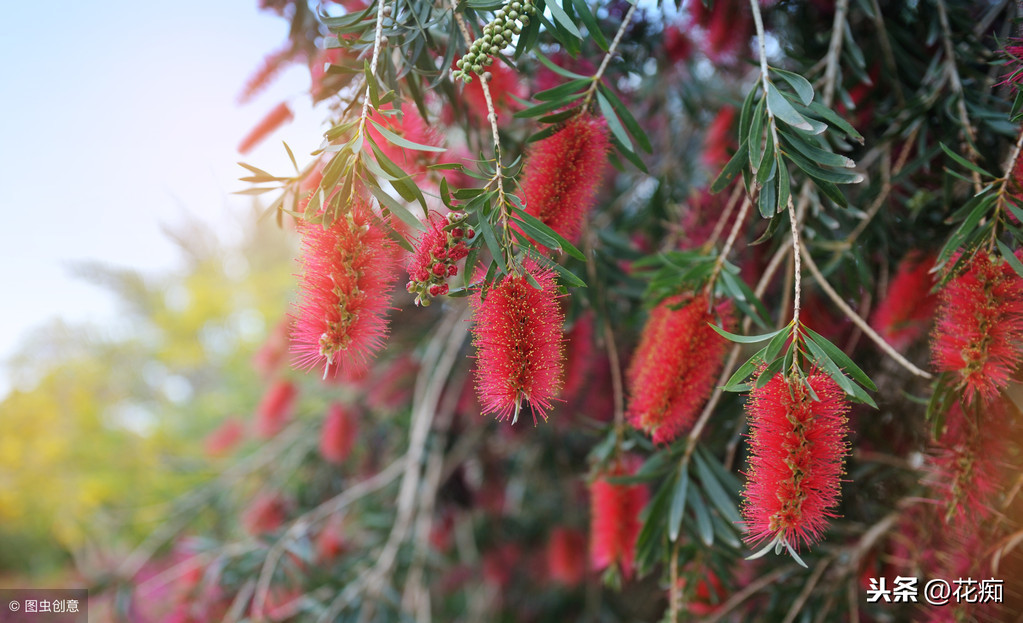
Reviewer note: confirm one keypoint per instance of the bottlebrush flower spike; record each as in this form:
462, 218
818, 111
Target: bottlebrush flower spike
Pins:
614, 519
797, 446
338, 434
345, 289
518, 339
676, 366
979, 331
265, 514
276, 408
272, 65
908, 306
563, 173
277, 117
409, 125
719, 139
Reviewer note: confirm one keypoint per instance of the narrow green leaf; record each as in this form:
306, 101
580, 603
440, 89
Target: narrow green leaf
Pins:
395, 208
492, 245
559, 242
744, 371
799, 84
814, 153
704, 527
562, 18
841, 359
964, 162
783, 110
717, 494
588, 19
815, 170
735, 164
678, 504
612, 121
745, 339
833, 118
561, 71
1010, 257
559, 92
767, 202
630, 122
404, 142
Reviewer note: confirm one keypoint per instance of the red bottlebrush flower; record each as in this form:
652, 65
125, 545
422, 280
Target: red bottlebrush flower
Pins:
345, 289
322, 84
907, 307
615, 523
410, 126
979, 331
272, 65
499, 564
563, 173
719, 139
277, 117
580, 356
338, 434
965, 465
675, 367
518, 339
566, 556
797, 446
727, 26
437, 254
225, 438
265, 514
708, 594
276, 408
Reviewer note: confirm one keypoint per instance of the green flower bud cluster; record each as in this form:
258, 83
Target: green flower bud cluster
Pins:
508, 22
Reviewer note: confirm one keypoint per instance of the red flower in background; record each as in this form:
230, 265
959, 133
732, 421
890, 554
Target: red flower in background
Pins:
345, 289
340, 429
675, 366
566, 556
277, 117
276, 408
797, 446
265, 514
518, 337
407, 124
580, 356
563, 173
719, 139
614, 518
504, 83
226, 437
907, 308
979, 331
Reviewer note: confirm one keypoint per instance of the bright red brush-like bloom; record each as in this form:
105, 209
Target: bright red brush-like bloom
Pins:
676, 366
979, 331
615, 523
504, 83
563, 173
518, 339
272, 65
338, 434
277, 117
908, 306
566, 556
276, 408
345, 289
797, 446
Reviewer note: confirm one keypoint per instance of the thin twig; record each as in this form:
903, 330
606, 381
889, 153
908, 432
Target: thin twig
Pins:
729, 242
804, 594
834, 51
748, 591
607, 57
957, 89
725, 215
860, 322
378, 39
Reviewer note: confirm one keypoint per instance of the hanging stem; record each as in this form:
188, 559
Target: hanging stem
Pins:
378, 40
607, 57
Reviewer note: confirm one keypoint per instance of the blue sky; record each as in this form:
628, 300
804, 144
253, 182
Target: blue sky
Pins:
117, 118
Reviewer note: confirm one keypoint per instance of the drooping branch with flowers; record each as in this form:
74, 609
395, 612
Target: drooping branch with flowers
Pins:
628, 196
